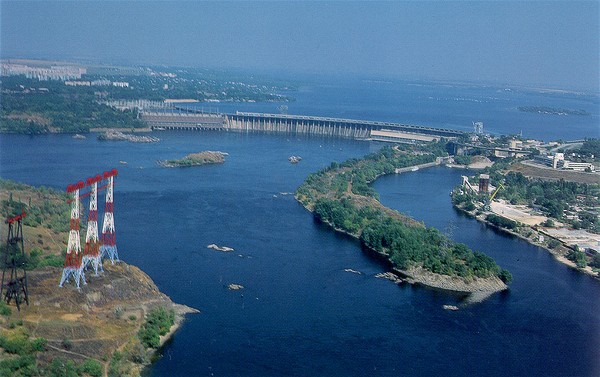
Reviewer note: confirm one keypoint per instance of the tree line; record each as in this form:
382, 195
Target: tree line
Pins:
340, 195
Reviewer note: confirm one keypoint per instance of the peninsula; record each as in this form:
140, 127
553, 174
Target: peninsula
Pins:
196, 159
341, 197
112, 326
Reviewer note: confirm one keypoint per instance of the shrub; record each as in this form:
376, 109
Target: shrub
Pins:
91, 367
4, 309
66, 344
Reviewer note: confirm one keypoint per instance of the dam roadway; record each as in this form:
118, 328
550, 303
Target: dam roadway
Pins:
296, 125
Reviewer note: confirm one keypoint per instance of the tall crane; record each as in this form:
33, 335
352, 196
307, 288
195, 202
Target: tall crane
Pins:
489, 200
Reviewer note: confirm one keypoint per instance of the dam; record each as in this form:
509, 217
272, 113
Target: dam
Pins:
295, 125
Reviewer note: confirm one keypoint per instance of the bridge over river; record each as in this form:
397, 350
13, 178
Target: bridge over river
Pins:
295, 125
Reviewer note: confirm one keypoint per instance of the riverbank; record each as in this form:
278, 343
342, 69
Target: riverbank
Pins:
97, 324
417, 275
535, 235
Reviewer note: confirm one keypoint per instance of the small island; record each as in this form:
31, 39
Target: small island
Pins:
551, 110
113, 135
196, 159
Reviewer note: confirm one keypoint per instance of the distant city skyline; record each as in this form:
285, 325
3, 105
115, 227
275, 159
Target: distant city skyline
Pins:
533, 43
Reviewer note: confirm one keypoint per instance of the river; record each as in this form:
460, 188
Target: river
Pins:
300, 313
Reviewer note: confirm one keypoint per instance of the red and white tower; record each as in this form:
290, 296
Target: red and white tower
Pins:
91, 251
109, 239
73, 266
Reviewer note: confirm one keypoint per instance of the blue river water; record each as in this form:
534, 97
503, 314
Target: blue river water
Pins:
450, 105
300, 313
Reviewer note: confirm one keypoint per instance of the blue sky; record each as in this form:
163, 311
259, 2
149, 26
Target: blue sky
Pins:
554, 44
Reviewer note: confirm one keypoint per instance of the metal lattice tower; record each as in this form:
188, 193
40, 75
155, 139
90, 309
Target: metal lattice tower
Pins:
73, 261
14, 260
109, 239
91, 251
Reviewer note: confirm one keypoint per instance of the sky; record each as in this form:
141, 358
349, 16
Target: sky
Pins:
533, 43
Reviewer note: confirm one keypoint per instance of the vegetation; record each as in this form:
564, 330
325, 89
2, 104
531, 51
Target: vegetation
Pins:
158, 322
32, 107
59, 108
555, 198
590, 147
501, 221
462, 160
42, 205
578, 257
18, 357
196, 159
341, 196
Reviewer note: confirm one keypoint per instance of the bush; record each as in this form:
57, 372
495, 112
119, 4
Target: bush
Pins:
501, 221
66, 344
158, 322
596, 261
4, 309
578, 257
91, 367
505, 276
552, 243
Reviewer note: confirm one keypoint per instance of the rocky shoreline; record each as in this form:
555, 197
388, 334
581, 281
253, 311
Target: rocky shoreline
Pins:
120, 136
420, 276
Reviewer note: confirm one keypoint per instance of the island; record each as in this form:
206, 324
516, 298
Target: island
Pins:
340, 196
196, 159
114, 135
111, 326
551, 110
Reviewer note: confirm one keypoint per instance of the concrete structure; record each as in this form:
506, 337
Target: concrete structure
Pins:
557, 161
484, 183
295, 124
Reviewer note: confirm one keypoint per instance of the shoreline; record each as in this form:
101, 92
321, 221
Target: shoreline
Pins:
180, 313
420, 276
558, 256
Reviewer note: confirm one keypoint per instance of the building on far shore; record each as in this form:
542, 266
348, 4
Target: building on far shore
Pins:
557, 161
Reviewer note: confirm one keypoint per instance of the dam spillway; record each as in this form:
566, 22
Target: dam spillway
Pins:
295, 125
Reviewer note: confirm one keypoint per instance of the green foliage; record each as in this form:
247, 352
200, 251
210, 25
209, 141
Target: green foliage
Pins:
501, 221
462, 160
552, 197
51, 209
66, 344
118, 365
61, 368
553, 243
505, 276
91, 367
158, 322
19, 366
578, 257
591, 147
23, 362
405, 242
77, 109
4, 309
595, 261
